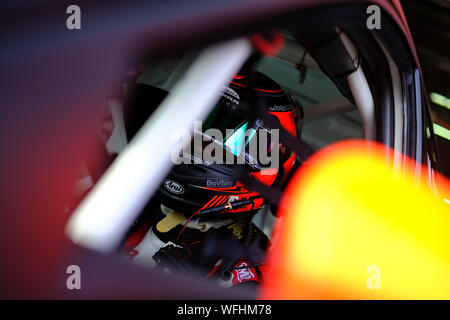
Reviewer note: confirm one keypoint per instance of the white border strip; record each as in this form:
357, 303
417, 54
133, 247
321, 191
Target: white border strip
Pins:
398, 108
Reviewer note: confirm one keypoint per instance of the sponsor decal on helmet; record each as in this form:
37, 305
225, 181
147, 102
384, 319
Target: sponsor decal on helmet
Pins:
173, 186
281, 108
219, 183
231, 96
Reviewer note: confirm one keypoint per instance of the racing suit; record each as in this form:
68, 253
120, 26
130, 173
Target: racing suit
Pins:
228, 252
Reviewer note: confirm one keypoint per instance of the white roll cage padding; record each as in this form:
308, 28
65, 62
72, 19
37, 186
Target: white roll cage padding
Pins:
361, 91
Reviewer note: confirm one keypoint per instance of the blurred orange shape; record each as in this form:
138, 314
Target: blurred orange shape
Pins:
353, 228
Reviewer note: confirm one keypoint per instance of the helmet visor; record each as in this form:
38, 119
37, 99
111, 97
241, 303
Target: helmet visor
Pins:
248, 143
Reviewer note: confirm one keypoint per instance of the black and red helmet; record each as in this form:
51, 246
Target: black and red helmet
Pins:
201, 186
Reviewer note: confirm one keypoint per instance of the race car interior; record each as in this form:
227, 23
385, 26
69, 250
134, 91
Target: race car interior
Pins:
343, 82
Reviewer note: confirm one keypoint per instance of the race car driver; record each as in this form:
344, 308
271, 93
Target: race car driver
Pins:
200, 221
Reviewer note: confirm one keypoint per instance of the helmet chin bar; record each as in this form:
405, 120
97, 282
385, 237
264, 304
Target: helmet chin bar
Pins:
228, 206
216, 216
102, 218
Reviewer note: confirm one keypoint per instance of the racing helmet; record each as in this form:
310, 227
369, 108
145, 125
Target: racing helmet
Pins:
212, 188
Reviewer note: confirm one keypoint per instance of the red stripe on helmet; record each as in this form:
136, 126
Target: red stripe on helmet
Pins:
287, 121
208, 203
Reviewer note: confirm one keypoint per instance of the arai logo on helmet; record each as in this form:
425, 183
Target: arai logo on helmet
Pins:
173, 186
